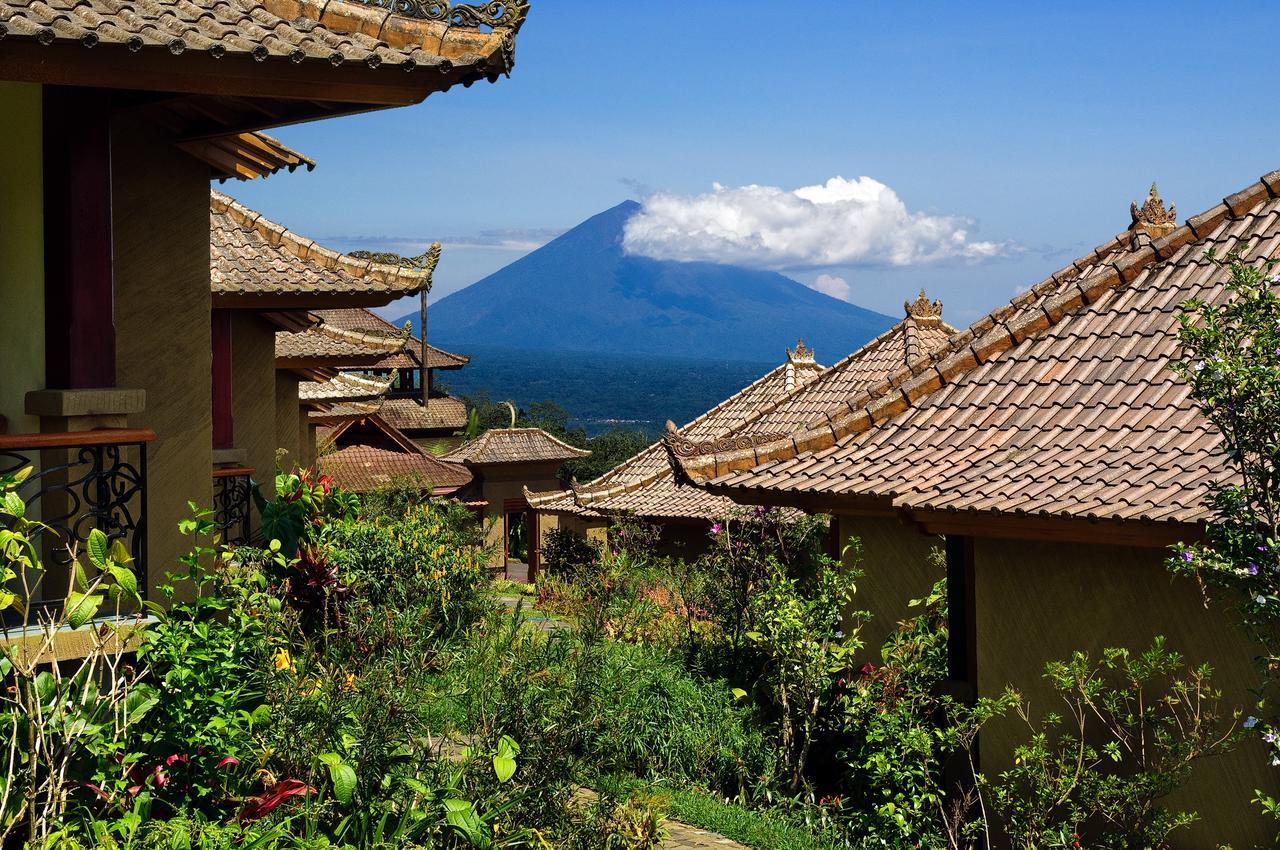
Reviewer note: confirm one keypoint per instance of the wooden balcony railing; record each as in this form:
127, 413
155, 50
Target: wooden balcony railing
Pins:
232, 503
81, 481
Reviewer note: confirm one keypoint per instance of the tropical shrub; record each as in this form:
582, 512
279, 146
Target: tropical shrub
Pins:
1232, 365
1135, 725
564, 552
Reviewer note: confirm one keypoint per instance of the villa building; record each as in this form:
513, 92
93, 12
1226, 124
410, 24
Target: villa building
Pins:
120, 116
1053, 454
435, 424
507, 463
644, 485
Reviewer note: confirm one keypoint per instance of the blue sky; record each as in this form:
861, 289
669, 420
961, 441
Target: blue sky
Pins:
1033, 125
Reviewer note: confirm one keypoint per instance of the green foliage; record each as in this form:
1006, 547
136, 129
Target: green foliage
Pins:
564, 552
1134, 727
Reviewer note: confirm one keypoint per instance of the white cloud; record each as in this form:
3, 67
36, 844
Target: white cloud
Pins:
840, 223
836, 287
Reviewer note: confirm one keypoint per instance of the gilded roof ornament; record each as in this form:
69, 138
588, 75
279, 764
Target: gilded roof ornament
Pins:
498, 14
1152, 216
801, 353
424, 264
923, 308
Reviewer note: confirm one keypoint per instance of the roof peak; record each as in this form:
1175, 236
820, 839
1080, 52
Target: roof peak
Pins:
1152, 218
801, 353
923, 309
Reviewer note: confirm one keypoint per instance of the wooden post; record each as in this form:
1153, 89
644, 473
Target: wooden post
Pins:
223, 411
80, 334
424, 372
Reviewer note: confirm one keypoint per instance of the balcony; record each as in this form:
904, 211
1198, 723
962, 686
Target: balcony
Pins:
81, 481
232, 502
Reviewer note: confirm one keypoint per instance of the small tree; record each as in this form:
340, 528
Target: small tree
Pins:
1232, 364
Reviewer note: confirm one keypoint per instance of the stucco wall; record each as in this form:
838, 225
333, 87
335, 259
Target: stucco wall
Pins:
21, 255
161, 246
896, 569
253, 395
288, 414
1038, 602
501, 483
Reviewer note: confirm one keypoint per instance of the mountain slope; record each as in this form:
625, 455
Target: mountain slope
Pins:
580, 292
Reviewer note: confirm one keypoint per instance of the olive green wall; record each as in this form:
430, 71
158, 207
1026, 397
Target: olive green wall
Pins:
508, 481
1038, 602
253, 395
161, 245
288, 416
896, 569
21, 254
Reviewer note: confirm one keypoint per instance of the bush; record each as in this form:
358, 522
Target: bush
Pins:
565, 553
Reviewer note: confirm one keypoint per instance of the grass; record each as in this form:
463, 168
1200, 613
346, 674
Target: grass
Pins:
760, 830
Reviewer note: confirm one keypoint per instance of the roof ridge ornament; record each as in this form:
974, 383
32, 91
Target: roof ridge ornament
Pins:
801, 353
498, 14
1152, 216
923, 308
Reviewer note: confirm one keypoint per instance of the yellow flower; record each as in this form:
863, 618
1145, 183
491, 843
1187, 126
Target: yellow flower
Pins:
349, 683
283, 661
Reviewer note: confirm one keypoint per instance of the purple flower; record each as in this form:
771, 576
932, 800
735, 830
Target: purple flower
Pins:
715, 528
1262, 549
1253, 568
1270, 737
1250, 722
1188, 556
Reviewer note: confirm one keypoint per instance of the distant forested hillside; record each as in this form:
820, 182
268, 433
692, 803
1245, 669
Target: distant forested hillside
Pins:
603, 390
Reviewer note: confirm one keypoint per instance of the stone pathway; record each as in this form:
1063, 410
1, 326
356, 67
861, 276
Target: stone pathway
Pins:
533, 618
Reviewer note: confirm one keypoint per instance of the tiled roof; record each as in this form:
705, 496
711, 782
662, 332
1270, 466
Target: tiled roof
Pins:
336, 346
408, 415
361, 469
251, 256
644, 485
344, 386
1061, 404
514, 445
299, 31
358, 318
341, 412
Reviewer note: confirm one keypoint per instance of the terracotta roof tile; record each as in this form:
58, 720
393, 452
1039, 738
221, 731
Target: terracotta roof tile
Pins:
408, 415
514, 445
249, 255
361, 469
300, 31
360, 319
1080, 418
335, 346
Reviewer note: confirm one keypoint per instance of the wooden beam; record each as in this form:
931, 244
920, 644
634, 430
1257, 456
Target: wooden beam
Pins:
304, 300
1153, 535
154, 68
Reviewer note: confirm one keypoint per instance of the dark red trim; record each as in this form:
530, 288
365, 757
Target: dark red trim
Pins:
224, 433
80, 333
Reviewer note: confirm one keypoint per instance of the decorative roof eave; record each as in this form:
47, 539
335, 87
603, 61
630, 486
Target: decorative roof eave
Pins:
383, 282
246, 156
344, 387
461, 43
701, 463
468, 452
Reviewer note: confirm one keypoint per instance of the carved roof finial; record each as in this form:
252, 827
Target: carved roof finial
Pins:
923, 308
1152, 216
801, 354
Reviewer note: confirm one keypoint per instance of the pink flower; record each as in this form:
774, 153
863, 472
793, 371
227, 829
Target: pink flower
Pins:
715, 528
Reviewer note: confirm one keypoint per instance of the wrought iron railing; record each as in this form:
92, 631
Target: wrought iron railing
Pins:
232, 503
82, 481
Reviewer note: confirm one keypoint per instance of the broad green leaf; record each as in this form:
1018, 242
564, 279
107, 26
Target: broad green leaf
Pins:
81, 608
119, 553
461, 815
98, 548
22, 474
14, 505
504, 766
739, 694
125, 579
342, 775
45, 686
7, 599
